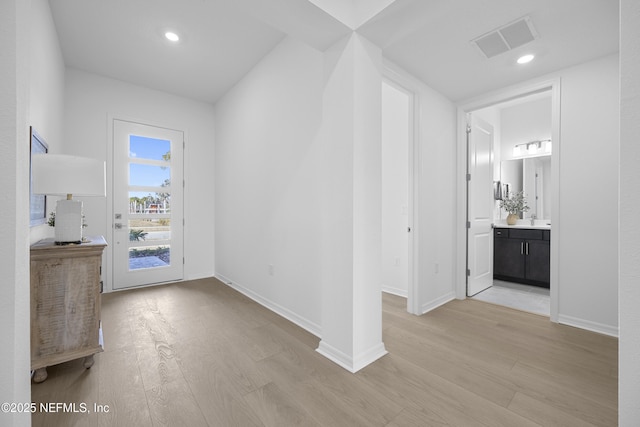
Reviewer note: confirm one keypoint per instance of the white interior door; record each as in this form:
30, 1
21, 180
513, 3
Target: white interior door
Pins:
147, 204
480, 206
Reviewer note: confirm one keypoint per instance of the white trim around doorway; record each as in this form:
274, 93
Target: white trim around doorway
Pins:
493, 98
399, 79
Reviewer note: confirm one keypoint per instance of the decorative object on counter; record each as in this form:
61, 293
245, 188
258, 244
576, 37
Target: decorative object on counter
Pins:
59, 174
514, 204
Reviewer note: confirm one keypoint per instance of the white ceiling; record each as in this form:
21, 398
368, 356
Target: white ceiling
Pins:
224, 39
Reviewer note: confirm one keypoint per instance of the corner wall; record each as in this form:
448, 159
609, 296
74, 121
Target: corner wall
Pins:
270, 190
268, 183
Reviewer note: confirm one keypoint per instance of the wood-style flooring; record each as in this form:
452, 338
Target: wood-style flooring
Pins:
200, 354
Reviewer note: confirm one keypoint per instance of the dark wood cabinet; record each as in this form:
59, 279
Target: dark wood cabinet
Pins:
522, 255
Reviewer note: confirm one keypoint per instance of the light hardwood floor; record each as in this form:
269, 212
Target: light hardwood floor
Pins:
200, 354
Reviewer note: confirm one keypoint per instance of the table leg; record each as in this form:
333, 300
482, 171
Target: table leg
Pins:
88, 361
40, 375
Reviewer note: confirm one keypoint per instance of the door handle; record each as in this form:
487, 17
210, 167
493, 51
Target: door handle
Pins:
527, 249
521, 248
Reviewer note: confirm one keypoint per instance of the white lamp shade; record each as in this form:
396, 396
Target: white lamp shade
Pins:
61, 174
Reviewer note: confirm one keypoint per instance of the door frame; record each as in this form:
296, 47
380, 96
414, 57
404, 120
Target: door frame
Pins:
395, 77
483, 101
107, 268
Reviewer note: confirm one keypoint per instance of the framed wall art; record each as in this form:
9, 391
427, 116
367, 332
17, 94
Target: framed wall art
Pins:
38, 202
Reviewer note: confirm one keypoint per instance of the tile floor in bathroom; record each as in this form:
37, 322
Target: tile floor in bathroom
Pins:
533, 299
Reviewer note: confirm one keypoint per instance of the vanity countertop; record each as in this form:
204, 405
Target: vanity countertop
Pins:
528, 225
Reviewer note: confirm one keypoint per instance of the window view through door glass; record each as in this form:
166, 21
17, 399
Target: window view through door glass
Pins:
149, 220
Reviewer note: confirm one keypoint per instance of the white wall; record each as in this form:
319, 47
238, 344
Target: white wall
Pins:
268, 183
629, 232
31, 86
91, 99
395, 190
529, 121
587, 227
46, 90
437, 204
14, 233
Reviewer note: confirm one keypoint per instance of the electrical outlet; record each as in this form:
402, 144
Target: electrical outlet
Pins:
271, 269
396, 262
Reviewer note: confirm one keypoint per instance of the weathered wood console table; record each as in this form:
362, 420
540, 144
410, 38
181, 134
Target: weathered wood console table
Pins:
65, 303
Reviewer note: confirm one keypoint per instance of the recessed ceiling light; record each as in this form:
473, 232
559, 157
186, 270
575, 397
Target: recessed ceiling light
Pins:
171, 36
525, 59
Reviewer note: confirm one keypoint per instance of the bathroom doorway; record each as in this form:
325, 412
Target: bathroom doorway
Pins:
525, 127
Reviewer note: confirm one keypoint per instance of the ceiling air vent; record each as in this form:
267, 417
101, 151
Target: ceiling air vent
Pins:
505, 38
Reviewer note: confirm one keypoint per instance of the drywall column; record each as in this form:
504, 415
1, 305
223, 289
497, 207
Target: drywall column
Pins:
629, 226
351, 246
14, 233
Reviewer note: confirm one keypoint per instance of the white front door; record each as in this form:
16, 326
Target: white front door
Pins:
480, 206
147, 204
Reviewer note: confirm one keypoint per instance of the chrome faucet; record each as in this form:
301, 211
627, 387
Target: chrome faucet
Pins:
533, 219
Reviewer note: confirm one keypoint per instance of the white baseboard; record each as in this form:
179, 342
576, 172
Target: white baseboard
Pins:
199, 276
589, 325
395, 291
428, 306
355, 363
309, 326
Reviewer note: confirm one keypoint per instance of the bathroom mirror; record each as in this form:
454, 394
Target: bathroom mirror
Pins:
533, 176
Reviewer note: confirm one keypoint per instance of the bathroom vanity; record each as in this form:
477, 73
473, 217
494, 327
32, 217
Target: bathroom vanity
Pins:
522, 254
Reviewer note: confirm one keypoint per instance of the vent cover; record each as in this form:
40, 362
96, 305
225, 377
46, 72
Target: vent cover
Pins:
505, 38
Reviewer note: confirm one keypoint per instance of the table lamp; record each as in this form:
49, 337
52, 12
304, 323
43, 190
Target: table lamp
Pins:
61, 174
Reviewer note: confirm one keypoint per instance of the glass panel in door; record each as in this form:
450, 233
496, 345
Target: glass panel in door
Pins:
147, 231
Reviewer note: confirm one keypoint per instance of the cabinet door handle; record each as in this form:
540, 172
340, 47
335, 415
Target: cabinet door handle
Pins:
527, 249
521, 248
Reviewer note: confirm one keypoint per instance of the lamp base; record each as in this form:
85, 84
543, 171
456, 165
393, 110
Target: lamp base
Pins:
68, 229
